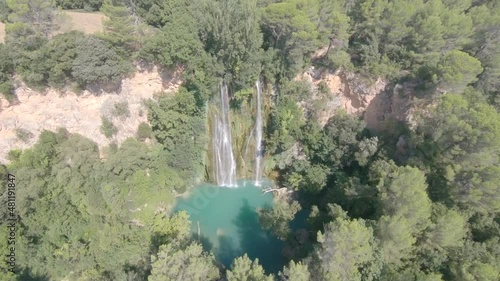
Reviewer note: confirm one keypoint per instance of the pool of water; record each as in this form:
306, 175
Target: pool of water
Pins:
229, 224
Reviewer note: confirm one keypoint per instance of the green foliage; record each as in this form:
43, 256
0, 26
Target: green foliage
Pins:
65, 57
403, 34
131, 155
24, 135
476, 261
230, 32
456, 70
14, 154
278, 218
290, 26
485, 46
38, 15
88, 5
178, 125
49, 63
60, 53
121, 109
107, 128
448, 228
5, 274
175, 228
96, 62
244, 269
144, 131
190, 263
119, 27
484, 226
367, 148
412, 273
176, 43
83, 218
337, 144
402, 193
396, 239
6, 70
461, 137
59, 214
30, 58
346, 251
334, 22
4, 10
287, 118
7, 90
295, 272
335, 28
160, 13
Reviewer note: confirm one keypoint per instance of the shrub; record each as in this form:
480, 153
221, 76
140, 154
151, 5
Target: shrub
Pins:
144, 131
121, 109
323, 87
108, 129
87, 5
14, 155
7, 90
60, 53
6, 71
97, 62
24, 135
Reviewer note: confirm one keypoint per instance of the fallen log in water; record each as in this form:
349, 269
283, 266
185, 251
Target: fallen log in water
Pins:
278, 190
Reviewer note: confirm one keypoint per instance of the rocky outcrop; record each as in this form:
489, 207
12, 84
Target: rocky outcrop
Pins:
374, 100
81, 113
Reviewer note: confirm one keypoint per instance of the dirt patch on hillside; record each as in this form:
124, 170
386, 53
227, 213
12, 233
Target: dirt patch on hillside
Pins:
2, 32
88, 23
81, 113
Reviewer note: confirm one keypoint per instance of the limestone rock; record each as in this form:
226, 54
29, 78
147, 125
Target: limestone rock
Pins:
81, 113
357, 95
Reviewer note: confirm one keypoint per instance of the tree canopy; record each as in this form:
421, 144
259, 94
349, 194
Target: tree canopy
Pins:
416, 199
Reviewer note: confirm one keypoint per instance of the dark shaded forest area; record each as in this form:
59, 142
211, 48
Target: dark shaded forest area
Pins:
416, 201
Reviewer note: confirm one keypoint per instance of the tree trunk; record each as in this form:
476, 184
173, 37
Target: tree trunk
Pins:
278, 190
329, 47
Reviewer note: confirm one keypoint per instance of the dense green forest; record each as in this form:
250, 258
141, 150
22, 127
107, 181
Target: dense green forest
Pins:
414, 201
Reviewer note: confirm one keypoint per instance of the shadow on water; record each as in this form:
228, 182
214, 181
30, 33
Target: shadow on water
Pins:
256, 242
226, 251
204, 241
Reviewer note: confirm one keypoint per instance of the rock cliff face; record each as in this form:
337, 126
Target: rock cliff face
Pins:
81, 113
375, 100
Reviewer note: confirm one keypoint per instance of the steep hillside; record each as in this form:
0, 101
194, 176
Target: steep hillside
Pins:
375, 100
80, 113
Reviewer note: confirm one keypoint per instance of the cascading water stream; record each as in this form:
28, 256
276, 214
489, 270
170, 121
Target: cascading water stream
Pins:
222, 147
258, 136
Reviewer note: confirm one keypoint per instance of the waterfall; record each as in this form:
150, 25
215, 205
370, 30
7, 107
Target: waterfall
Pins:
258, 136
222, 147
